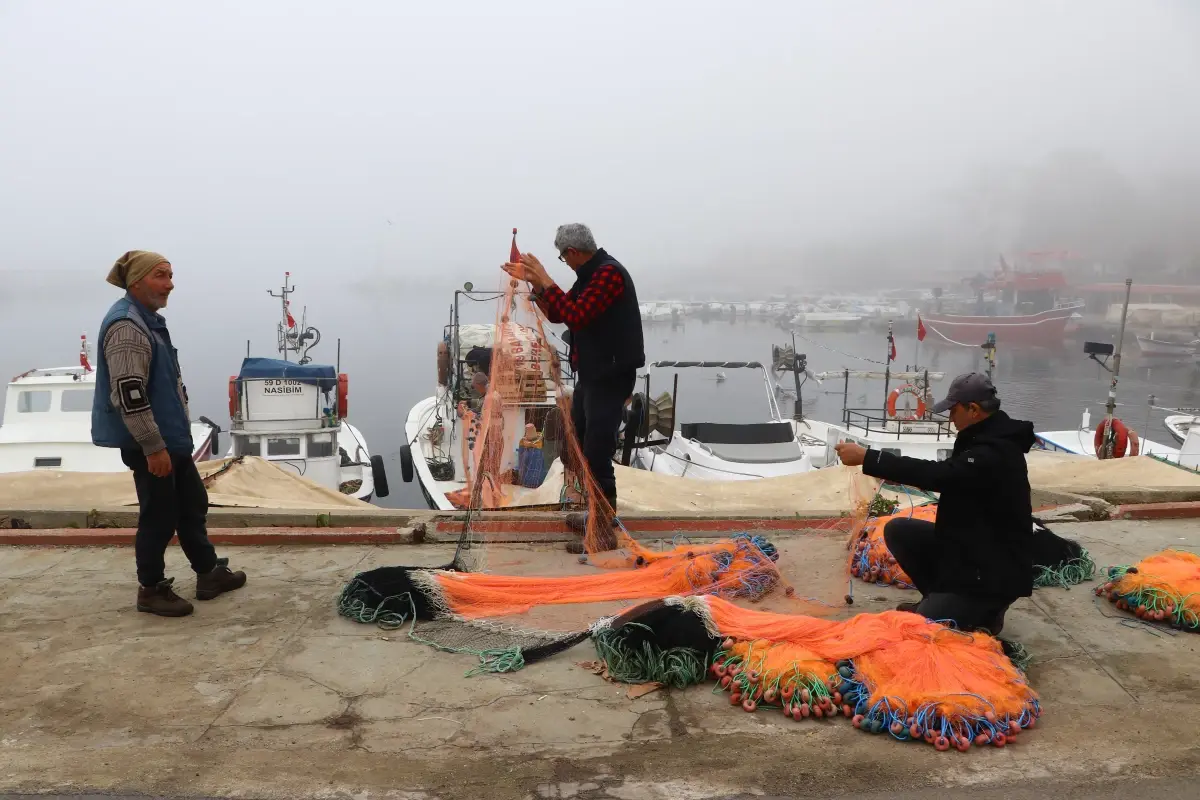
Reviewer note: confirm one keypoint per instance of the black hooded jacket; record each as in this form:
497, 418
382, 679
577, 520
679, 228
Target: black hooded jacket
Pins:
983, 531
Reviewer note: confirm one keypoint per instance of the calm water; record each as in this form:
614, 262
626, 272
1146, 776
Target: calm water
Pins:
389, 338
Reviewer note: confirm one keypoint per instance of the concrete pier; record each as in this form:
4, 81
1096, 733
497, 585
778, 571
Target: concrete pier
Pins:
267, 693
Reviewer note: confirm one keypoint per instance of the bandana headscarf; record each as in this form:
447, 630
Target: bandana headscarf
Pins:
133, 266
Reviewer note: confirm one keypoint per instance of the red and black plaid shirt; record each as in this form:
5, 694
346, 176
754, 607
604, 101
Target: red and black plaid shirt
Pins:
602, 290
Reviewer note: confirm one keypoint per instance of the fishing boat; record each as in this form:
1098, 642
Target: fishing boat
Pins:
47, 423
1166, 348
441, 430
294, 413
1021, 308
716, 450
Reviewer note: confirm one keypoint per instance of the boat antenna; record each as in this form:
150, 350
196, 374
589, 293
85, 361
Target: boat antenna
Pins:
989, 354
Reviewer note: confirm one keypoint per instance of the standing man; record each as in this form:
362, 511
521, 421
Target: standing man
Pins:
601, 312
141, 407
977, 558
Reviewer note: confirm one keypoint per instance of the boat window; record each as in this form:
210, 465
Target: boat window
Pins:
77, 399
247, 446
47, 461
33, 401
944, 454
320, 445
283, 446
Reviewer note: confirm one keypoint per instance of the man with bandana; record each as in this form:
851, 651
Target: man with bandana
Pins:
141, 407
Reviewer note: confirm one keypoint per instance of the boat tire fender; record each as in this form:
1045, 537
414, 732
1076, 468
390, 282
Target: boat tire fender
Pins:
380, 476
443, 364
233, 396
343, 395
406, 463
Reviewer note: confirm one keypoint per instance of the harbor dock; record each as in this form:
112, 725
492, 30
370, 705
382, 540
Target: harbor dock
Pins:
268, 693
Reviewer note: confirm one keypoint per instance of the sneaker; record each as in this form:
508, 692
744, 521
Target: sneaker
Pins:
222, 579
161, 599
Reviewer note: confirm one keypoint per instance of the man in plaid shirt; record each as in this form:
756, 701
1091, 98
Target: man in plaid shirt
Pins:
601, 312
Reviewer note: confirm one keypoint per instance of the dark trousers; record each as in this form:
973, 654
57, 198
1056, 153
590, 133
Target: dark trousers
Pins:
177, 503
596, 414
913, 544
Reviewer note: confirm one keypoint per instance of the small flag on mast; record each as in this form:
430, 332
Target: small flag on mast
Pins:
514, 255
83, 358
891, 347
920, 329
287, 304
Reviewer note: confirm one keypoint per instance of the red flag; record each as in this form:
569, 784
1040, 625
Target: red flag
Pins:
83, 359
920, 329
291, 321
514, 255
891, 347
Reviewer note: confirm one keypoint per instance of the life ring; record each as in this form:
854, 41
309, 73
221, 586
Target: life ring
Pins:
443, 364
343, 395
1125, 441
233, 396
908, 389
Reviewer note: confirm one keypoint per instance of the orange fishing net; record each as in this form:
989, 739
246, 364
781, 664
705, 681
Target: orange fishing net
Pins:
893, 672
1162, 588
743, 566
870, 558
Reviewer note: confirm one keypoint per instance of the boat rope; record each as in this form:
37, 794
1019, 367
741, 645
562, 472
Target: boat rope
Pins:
948, 339
839, 352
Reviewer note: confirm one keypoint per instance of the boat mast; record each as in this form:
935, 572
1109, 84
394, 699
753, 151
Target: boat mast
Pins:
283, 342
1110, 437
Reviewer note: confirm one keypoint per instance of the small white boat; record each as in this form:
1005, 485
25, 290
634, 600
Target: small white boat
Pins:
725, 451
1082, 441
1164, 348
293, 414
827, 321
1178, 425
48, 423
900, 424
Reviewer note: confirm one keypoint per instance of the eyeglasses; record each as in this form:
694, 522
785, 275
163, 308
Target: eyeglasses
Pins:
562, 255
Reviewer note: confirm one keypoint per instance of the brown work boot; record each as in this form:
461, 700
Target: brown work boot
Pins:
161, 599
222, 579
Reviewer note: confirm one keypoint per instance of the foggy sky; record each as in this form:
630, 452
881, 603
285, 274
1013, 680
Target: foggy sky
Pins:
403, 140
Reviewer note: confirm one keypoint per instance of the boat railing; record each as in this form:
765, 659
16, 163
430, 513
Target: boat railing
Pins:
870, 422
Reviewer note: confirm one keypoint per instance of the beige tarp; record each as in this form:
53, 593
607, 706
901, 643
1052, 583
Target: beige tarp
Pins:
251, 483
1118, 480
828, 490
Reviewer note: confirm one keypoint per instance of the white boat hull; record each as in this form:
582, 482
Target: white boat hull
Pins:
1150, 346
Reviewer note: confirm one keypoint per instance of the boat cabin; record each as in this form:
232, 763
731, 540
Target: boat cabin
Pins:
289, 414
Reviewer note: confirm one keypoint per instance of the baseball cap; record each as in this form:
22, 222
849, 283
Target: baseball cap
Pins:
974, 387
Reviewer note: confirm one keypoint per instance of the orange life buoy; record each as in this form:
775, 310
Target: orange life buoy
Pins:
343, 400
233, 396
443, 364
908, 389
1125, 441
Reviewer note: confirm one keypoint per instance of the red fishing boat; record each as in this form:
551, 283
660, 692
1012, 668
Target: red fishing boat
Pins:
1021, 308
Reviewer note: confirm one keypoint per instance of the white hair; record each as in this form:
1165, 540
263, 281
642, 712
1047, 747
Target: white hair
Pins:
575, 235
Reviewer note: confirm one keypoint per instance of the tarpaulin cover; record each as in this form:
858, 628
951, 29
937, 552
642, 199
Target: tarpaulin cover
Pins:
324, 376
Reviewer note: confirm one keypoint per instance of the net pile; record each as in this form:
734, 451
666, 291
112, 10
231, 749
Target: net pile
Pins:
1056, 561
892, 673
1162, 588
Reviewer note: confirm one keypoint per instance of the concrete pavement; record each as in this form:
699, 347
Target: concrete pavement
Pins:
267, 693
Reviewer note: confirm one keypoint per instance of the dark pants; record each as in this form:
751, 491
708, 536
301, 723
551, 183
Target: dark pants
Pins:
913, 544
596, 414
177, 503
